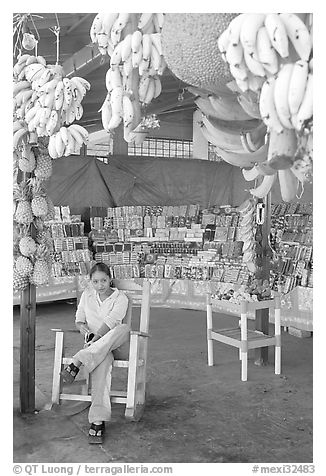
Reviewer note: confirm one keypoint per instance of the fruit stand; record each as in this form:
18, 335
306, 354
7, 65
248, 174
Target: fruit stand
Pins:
250, 81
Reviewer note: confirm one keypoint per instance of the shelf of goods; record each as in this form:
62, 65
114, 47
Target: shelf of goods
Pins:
69, 255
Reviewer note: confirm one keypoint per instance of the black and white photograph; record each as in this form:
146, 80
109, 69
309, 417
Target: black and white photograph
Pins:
162, 266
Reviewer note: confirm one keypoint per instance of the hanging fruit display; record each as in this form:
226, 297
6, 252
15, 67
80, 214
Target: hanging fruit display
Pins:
133, 41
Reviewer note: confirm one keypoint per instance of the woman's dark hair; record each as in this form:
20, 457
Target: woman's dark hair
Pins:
100, 267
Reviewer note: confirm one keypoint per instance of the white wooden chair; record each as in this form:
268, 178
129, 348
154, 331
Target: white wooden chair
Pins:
134, 396
244, 338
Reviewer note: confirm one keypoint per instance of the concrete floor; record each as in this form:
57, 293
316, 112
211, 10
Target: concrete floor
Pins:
194, 413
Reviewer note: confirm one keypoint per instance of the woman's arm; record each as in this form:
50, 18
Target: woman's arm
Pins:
118, 312
80, 321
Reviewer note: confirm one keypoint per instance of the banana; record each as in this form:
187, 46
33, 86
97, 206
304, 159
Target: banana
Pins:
156, 41
77, 88
227, 108
158, 86
116, 56
23, 58
223, 42
147, 47
281, 92
64, 135
144, 20
96, 26
115, 37
239, 71
127, 66
81, 130
49, 86
20, 86
71, 146
267, 106
265, 169
79, 110
288, 184
282, 148
277, 34
31, 113
264, 188
234, 53
18, 136
44, 78
17, 125
102, 40
298, 34
222, 138
51, 147
128, 111
115, 78
249, 105
59, 144
67, 93
266, 52
106, 113
116, 101
49, 99
243, 84
83, 82
245, 145
76, 135
44, 116
121, 21
297, 85
150, 91
114, 122
58, 95
23, 96
137, 57
155, 59
143, 67
143, 87
252, 62
160, 19
52, 122
126, 47
250, 174
136, 41
162, 66
32, 70
249, 29
306, 108
108, 20
41, 60
242, 159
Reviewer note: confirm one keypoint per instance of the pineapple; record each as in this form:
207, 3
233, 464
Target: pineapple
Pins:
23, 213
41, 271
51, 213
39, 202
43, 168
27, 246
24, 266
20, 282
27, 161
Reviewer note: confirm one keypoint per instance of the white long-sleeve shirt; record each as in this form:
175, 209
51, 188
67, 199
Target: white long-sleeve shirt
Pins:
94, 312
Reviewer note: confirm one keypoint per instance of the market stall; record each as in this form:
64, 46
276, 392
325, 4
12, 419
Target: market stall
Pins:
190, 226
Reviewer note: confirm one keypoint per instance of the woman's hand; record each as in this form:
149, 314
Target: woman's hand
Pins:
95, 338
83, 328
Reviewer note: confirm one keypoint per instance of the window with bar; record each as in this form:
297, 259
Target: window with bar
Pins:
159, 147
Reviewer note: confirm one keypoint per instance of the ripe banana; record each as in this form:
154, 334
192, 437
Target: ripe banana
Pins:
297, 85
52, 122
267, 106
253, 63
128, 112
116, 101
288, 184
277, 34
81, 130
76, 135
18, 136
108, 20
114, 122
223, 42
136, 57
156, 41
306, 108
143, 86
282, 148
58, 95
249, 29
144, 20
250, 174
136, 41
96, 26
265, 51
51, 147
116, 56
126, 47
264, 188
158, 86
106, 113
281, 94
155, 58
150, 91
298, 34
234, 53
147, 47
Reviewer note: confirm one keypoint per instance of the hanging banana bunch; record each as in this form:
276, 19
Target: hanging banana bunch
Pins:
133, 41
45, 103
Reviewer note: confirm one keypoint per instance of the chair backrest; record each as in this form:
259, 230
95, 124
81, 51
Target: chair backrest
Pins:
127, 318
139, 294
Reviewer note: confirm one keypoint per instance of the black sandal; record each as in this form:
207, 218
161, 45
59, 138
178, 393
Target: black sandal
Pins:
69, 373
97, 438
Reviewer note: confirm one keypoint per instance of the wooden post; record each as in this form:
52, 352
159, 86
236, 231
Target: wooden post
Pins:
120, 146
262, 315
27, 349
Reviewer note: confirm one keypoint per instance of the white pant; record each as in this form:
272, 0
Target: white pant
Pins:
97, 359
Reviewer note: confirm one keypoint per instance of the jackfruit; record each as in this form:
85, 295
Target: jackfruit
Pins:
189, 42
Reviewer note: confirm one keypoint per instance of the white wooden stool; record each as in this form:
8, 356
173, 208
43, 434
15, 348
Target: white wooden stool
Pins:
243, 338
134, 397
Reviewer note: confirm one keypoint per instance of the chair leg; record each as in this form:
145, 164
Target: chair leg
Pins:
130, 411
244, 347
278, 341
58, 355
210, 355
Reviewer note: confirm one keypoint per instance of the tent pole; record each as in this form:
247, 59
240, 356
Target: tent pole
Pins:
262, 315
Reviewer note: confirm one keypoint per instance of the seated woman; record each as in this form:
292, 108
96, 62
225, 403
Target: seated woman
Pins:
99, 318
